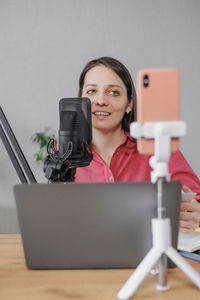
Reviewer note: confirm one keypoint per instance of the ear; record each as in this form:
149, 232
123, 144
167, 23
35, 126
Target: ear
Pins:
129, 107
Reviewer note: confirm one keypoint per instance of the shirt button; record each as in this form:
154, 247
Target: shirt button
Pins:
110, 178
117, 153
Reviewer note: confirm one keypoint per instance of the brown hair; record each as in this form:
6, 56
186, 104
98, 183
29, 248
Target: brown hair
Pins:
125, 76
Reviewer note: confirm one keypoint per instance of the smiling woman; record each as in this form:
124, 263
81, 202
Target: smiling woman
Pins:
109, 86
122, 80
109, 101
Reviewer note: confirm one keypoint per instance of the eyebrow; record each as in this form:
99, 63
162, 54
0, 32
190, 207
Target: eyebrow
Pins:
109, 85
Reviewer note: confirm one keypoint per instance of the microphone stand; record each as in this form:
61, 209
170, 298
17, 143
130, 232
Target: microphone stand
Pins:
62, 168
161, 132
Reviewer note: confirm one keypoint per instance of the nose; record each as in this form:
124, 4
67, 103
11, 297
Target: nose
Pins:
100, 99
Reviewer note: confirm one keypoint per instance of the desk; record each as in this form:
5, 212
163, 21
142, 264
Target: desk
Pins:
19, 283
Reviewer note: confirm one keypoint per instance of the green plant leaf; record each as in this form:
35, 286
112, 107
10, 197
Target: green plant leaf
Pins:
42, 139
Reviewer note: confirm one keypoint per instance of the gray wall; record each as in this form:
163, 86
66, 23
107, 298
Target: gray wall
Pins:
45, 43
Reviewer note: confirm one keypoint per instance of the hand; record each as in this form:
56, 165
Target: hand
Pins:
189, 214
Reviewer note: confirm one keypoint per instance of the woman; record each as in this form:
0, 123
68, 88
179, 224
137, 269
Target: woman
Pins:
109, 86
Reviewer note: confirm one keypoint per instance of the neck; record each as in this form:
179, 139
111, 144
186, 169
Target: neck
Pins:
105, 143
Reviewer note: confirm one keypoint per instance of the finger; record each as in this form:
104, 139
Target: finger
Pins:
185, 230
192, 205
186, 189
188, 206
189, 226
190, 217
184, 206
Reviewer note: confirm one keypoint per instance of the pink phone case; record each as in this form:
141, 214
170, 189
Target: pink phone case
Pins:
158, 99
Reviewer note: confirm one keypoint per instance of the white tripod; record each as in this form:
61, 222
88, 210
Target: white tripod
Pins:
161, 132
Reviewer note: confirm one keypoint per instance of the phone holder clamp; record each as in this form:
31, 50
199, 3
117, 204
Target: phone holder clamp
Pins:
161, 132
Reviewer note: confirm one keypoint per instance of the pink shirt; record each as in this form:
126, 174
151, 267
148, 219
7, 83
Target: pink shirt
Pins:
129, 165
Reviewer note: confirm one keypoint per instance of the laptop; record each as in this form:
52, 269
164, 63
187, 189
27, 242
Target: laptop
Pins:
91, 225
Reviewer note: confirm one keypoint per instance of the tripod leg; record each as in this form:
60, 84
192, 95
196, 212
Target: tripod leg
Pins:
184, 265
162, 274
139, 274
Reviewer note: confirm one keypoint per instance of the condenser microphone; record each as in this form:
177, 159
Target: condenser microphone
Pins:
75, 135
75, 124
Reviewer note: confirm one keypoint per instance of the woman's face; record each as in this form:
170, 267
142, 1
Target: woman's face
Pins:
108, 97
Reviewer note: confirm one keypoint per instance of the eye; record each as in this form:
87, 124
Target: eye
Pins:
91, 91
114, 93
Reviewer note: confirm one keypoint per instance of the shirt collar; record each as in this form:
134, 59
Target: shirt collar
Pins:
128, 140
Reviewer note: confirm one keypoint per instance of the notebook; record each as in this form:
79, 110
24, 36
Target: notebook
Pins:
189, 242
91, 225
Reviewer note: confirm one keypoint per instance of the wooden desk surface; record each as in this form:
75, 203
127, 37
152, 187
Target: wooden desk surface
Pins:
18, 282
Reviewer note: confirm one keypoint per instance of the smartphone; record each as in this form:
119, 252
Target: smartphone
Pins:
158, 99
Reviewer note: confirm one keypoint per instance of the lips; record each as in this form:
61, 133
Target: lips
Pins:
101, 113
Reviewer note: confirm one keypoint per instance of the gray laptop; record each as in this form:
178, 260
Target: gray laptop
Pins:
91, 225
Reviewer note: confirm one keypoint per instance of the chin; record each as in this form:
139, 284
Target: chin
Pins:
105, 129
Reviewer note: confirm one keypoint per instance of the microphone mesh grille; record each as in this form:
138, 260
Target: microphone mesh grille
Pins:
69, 121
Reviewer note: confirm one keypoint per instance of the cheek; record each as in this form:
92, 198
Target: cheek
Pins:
119, 107
90, 97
